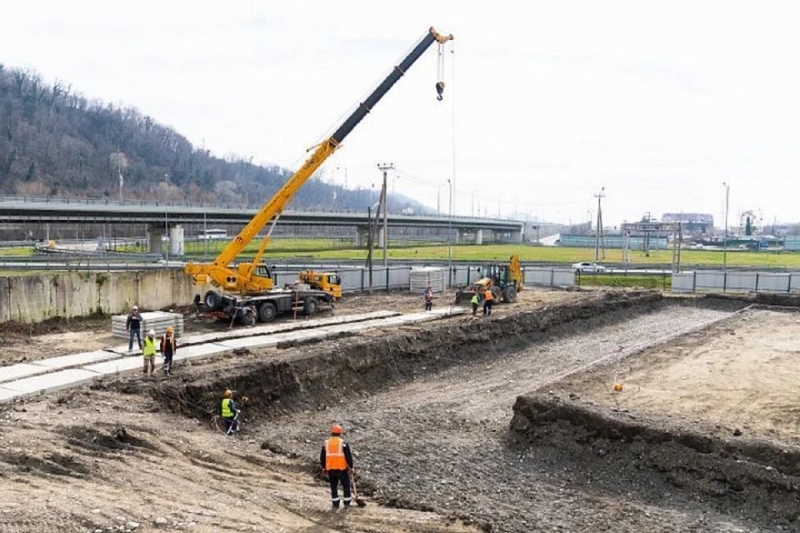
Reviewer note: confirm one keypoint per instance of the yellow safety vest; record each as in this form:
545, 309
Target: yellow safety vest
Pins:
227, 412
149, 349
334, 454
475, 299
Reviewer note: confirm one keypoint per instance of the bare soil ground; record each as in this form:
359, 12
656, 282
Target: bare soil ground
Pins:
739, 377
427, 410
27, 342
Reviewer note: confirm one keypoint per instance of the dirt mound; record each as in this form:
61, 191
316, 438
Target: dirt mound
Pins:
56, 464
756, 479
359, 366
117, 440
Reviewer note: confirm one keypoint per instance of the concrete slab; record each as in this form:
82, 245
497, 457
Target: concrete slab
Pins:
6, 395
201, 350
117, 366
20, 370
271, 329
76, 359
51, 382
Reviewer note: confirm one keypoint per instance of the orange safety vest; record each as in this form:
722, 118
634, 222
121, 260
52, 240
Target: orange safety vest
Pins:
334, 454
488, 296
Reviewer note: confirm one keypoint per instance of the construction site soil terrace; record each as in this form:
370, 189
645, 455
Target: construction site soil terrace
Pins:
574, 411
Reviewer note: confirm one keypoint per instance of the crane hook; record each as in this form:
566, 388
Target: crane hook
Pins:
439, 90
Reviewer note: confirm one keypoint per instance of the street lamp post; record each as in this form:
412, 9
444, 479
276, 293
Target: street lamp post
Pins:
725, 241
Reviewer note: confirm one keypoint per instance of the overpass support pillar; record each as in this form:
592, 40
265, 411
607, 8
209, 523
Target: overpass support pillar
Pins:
381, 237
154, 236
176, 241
518, 237
362, 236
478, 236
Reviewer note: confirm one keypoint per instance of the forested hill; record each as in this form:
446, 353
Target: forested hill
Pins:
55, 142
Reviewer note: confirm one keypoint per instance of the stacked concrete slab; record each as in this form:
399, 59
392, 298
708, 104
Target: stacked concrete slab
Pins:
157, 320
420, 278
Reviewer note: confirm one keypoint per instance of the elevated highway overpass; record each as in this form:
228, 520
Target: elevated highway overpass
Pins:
161, 216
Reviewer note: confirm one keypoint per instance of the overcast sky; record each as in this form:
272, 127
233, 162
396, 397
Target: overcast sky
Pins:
659, 103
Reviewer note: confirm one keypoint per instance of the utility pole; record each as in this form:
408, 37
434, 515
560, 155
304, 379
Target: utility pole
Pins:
599, 232
385, 168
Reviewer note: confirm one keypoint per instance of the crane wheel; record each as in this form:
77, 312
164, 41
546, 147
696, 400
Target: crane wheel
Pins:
510, 294
310, 306
266, 312
213, 300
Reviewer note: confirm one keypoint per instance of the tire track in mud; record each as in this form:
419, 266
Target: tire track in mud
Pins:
439, 441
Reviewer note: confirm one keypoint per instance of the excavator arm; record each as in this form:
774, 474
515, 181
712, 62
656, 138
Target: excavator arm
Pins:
219, 272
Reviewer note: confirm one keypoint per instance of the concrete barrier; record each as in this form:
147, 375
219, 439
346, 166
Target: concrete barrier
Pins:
67, 294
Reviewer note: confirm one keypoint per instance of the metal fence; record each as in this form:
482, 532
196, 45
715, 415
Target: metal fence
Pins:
736, 281
355, 279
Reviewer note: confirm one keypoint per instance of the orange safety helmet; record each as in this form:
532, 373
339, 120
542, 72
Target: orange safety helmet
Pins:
170, 329
336, 430
228, 393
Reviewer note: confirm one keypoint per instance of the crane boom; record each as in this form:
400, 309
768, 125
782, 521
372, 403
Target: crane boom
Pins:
242, 280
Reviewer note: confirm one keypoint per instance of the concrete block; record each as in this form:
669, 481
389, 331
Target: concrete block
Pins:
51, 382
20, 370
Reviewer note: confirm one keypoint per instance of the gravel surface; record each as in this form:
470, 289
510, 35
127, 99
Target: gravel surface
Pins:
440, 442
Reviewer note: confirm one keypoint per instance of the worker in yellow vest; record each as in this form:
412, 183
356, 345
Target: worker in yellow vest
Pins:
149, 353
337, 464
475, 301
229, 410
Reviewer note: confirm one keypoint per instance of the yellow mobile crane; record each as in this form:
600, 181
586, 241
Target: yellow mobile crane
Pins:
250, 289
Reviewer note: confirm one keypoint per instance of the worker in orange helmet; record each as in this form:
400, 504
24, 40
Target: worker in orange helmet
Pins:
488, 301
337, 463
168, 348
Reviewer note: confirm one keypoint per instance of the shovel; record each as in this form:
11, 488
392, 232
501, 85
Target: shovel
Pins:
359, 501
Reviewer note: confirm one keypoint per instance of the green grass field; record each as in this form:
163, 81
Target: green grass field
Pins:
342, 249
640, 282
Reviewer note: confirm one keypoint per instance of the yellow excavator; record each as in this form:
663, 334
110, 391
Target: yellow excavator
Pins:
249, 289
504, 280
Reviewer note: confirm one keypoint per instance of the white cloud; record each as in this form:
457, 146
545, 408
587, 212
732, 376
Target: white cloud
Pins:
658, 102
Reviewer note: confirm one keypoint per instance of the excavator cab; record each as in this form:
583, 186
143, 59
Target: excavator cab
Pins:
324, 281
504, 280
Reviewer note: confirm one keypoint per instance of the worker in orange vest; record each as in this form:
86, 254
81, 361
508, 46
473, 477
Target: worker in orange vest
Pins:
488, 300
337, 463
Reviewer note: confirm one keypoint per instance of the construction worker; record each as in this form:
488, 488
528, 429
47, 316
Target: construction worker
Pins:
134, 326
488, 300
229, 412
428, 298
475, 301
149, 353
337, 464
168, 349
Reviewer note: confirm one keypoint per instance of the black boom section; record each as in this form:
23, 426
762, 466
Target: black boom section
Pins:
396, 73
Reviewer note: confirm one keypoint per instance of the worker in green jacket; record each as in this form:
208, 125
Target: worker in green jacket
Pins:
476, 302
149, 353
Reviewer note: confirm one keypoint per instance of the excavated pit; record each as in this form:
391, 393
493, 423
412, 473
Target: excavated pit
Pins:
355, 366
671, 473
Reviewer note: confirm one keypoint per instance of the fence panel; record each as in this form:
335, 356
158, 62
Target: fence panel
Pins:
773, 282
741, 281
399, 278
709, 280
683, 282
